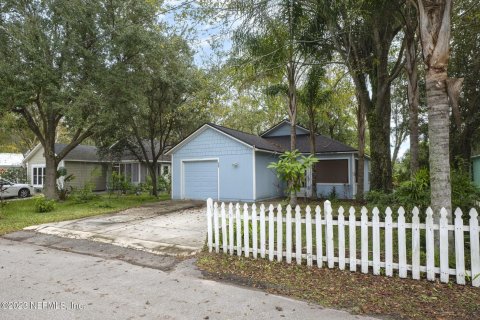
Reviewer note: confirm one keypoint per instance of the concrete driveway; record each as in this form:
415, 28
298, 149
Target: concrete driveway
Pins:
40, 282
167, 228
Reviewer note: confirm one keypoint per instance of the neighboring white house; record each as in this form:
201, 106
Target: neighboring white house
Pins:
11, 160
87, 166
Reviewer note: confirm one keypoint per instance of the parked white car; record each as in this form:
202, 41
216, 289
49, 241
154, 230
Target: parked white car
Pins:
9, 189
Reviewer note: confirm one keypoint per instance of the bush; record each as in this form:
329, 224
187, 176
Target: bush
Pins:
43, 205
165, 183
85, 194
416, 192
18, 175
119, 182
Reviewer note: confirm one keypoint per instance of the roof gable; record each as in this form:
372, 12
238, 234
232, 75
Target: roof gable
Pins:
282, 129
202, 129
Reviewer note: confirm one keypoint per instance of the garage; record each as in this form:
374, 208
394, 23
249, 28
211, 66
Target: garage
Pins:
202, 177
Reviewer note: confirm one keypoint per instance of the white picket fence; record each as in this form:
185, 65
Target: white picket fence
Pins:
224, 222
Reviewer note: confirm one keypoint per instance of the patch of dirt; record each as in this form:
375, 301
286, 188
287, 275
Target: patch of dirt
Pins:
359, 293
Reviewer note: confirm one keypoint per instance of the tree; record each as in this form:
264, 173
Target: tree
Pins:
464, 61
434, 26
53, 61
411, 42
292, 167
267, 39
15, 136
146, 117
312, 97
364, 34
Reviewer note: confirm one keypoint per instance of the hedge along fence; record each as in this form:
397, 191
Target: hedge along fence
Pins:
383, 245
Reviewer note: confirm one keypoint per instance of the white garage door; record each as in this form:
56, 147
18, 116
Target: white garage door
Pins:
200, 179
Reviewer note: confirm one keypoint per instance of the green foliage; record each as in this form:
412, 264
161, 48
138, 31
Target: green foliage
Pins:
292, 167
84, 194
43, 205
63, 189
165, 183
416, 192
120, 183
18, 175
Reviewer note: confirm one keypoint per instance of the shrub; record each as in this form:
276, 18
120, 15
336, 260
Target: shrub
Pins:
84, 194
18, 175
165, 183
120, 183
380, 198
43, 205
415, 192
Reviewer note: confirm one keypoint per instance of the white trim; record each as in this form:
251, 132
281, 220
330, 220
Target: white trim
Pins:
171, 178
266, 151
37, 166
254, 176
200, 130
182, 174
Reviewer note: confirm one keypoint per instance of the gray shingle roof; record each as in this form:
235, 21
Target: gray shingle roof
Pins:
323, 144
90, 153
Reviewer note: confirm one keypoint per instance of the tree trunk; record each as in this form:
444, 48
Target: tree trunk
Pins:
152, 168
50, 182
412, 84
292, 111
379, 125
438, 132
413, 98
361, 149
313, 153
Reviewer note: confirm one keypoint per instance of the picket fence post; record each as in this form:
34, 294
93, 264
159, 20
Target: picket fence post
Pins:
341, 238
318, 235
329, 234
430, 246
298, 235
402, 244
209, 224
254, 231
444, 269
216, 228
376, 241
279, 233
288, 243
239, 229
388, 243
474, 248
246, 232
459, 247
352, 239
262, 231
308, 233
415, 244
224, 228
231, 240
364, 240
271, 239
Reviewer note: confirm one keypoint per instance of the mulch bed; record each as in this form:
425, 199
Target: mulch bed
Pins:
359, 293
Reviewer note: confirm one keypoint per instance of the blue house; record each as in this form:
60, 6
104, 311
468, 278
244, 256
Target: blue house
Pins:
229, 165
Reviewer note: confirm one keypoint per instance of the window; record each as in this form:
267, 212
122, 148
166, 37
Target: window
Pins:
135, 172
165, 170
38, 176
332, 171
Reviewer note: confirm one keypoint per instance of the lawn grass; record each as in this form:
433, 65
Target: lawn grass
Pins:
354, 291
16, 215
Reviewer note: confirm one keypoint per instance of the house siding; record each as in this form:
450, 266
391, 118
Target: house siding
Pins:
87, 173
284, 130
267, 183
342, 190
235, 164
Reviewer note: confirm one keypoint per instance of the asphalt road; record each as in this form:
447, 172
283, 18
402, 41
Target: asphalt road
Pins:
46, 277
